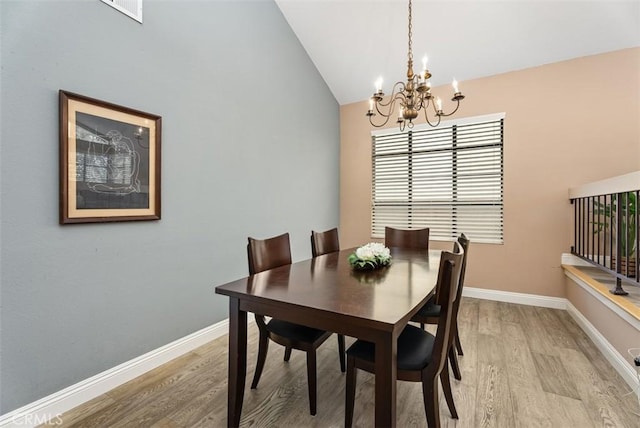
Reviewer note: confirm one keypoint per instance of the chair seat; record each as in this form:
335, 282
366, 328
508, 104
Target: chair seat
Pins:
415, 347
429, 310
293, 331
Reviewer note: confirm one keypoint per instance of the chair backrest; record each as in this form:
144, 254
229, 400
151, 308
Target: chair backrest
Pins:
464, 243
265, 254
324, 242
457, 256
448, 276
417, 239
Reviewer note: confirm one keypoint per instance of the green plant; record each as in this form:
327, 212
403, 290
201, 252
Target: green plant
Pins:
608, 211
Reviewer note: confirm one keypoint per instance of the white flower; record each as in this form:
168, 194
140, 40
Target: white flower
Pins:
372, 251
365, 253
379, 250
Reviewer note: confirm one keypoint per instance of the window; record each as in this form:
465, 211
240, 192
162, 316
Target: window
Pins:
131, 8
449, 179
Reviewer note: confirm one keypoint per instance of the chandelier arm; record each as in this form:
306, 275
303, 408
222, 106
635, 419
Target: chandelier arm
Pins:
455, 110
399, 97
388, 106
425, 105
426, 116
422, 104
398, 88
387, 116
381, 124
381, 113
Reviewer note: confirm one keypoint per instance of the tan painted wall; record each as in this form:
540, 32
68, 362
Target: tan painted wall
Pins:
566, 124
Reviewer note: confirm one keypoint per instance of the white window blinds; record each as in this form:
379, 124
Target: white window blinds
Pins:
449, 179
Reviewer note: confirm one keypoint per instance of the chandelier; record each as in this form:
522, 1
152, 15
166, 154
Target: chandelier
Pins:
413, 96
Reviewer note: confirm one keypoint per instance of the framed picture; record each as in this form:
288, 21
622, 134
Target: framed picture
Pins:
109, 162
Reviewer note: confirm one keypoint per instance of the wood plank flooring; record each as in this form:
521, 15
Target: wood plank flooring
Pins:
523, 366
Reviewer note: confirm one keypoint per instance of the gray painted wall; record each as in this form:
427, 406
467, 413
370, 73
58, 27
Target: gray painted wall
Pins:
250, 148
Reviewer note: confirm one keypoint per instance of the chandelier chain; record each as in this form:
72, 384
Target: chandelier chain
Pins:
410, 54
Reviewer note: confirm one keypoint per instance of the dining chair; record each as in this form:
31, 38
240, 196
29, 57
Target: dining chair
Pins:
417, 239
324, 243
268, 254
421, 356
428, 314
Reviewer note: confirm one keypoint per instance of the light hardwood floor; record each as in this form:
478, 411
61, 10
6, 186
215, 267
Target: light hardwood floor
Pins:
523, 367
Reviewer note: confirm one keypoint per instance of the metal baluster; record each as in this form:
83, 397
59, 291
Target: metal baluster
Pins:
619, 291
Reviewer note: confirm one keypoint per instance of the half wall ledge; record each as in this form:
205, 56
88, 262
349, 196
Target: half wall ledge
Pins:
628, 307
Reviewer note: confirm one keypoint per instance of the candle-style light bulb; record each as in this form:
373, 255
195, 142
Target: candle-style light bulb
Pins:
439, 103
424, 75
370, 104
455, 86
401, 113
379, 84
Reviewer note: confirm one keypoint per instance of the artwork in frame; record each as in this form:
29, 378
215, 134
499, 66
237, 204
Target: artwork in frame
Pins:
109, 162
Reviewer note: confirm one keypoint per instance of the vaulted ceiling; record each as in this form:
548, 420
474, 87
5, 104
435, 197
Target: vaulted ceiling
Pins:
353, 42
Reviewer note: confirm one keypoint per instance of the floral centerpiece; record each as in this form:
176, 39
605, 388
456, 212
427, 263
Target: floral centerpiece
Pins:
370, 256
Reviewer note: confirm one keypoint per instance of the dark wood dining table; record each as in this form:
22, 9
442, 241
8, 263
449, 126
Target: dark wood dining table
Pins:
326, 293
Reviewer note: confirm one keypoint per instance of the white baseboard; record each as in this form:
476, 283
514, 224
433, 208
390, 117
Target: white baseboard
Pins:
610, 353
520, 298
48, 409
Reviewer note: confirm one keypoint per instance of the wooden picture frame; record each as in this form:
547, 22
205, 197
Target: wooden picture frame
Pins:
109, 162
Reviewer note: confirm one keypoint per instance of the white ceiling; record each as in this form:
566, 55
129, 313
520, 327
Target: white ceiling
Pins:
352, 42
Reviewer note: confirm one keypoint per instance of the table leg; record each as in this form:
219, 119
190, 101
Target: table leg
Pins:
237, 361
385, 383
